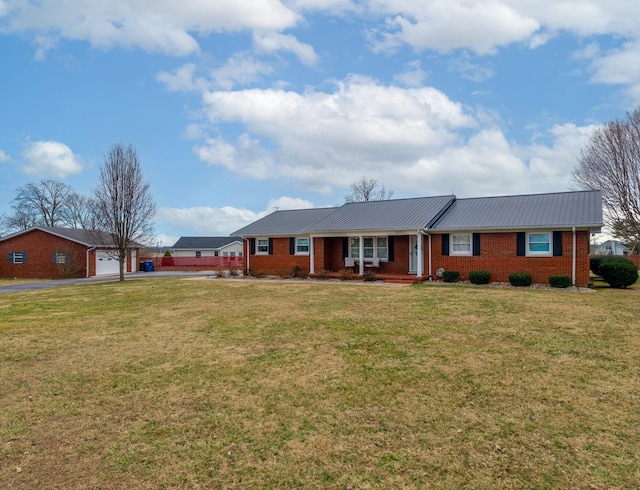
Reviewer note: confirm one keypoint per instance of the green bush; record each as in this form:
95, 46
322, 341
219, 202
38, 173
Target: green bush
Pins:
479, 277
520, 279
559, 281
369, 276
450, 276
618, 272
594, 263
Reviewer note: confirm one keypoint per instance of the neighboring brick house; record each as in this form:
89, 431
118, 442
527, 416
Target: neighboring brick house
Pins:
52, 252
207, 246
542, 234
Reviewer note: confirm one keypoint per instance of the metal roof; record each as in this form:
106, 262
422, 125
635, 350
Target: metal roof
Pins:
562, 209
89, 238
204, 242
393, 214
285, 222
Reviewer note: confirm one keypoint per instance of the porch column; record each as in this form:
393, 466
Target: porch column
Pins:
312, 262
430, 274
420, 264
361, 255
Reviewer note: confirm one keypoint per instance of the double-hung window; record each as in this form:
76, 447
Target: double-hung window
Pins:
302, 246
539, 244
198, 253
61, 258
461, 244
262, 246
17, 257
373, 247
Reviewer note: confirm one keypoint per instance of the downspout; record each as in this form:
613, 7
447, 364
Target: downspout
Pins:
312, 265
87, 264
573, 258
247, 254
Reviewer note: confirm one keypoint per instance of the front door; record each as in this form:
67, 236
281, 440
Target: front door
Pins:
413, 253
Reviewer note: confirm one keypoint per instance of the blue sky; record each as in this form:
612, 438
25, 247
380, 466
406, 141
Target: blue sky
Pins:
239, 107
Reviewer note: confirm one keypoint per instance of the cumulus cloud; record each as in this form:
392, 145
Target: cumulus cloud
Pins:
50, 158
240, 69
416, 141
3, 157
166, 27
182, 79
209, 221
271, 42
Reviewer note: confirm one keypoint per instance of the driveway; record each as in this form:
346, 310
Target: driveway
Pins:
29, 286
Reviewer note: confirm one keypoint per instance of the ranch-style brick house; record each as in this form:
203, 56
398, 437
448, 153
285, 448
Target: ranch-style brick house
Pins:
53, 252
541, 234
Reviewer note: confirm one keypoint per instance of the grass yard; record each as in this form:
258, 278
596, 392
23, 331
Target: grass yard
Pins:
174, 383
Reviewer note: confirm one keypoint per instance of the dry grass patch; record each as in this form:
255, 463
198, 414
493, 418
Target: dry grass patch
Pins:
168, 383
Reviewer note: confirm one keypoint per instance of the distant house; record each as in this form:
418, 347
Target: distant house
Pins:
542, 234
207, 246
611, 247
53, 252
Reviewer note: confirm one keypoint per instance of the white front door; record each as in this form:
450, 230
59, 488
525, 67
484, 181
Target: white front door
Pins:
413, 253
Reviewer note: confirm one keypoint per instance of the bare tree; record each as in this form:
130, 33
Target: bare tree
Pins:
611, 163
80, 212
367, 189
124, 207
44, 203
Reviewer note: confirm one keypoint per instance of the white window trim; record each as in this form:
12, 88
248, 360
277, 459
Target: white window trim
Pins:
13, 258
297, 251
529, 253
354, 252
262, 252
61, 258
461, 252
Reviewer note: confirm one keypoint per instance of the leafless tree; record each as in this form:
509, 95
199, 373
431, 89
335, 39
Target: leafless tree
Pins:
367, 189
68, 262
611, 163
80, 212
43, 203
124, 207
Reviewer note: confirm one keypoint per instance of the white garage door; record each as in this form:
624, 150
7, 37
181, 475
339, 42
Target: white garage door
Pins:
105, 264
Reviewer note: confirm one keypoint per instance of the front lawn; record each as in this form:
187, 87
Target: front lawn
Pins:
174, 383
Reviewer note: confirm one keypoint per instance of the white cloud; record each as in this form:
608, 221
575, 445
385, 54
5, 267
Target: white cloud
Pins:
182, 80
470, 70
240, 69
271, 42
4, 157
152, 25
412, 76
50, 158
620, 67
208, 221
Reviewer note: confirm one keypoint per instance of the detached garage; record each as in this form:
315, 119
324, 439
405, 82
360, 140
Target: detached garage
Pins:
53, 252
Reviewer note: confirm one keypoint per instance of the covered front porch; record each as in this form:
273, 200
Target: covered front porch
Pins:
388, 256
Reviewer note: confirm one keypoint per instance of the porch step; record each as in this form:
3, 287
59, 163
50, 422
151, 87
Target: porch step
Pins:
399, 280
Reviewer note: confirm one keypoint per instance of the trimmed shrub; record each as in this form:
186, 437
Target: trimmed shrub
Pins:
299, 272
369, 276
346, 275
479, 277
450, 276
520, 279
594, 263
618, 272
559, 281
322, 274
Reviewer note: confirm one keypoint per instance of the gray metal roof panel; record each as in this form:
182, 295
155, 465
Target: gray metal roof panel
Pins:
204, 242
392, 214
562, 209
284, 222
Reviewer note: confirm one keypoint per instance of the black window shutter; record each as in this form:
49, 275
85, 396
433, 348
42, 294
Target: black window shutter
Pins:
476, 243
557, 244
252, 246
11, 257
292, 246
270, 246
345, 248
53, 257
445, 244
520, 238
24, 257
392, 248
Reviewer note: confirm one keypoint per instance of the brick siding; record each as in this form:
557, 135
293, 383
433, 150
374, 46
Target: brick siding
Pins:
497, 255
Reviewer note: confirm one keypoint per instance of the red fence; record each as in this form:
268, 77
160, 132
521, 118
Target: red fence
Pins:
194, 263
